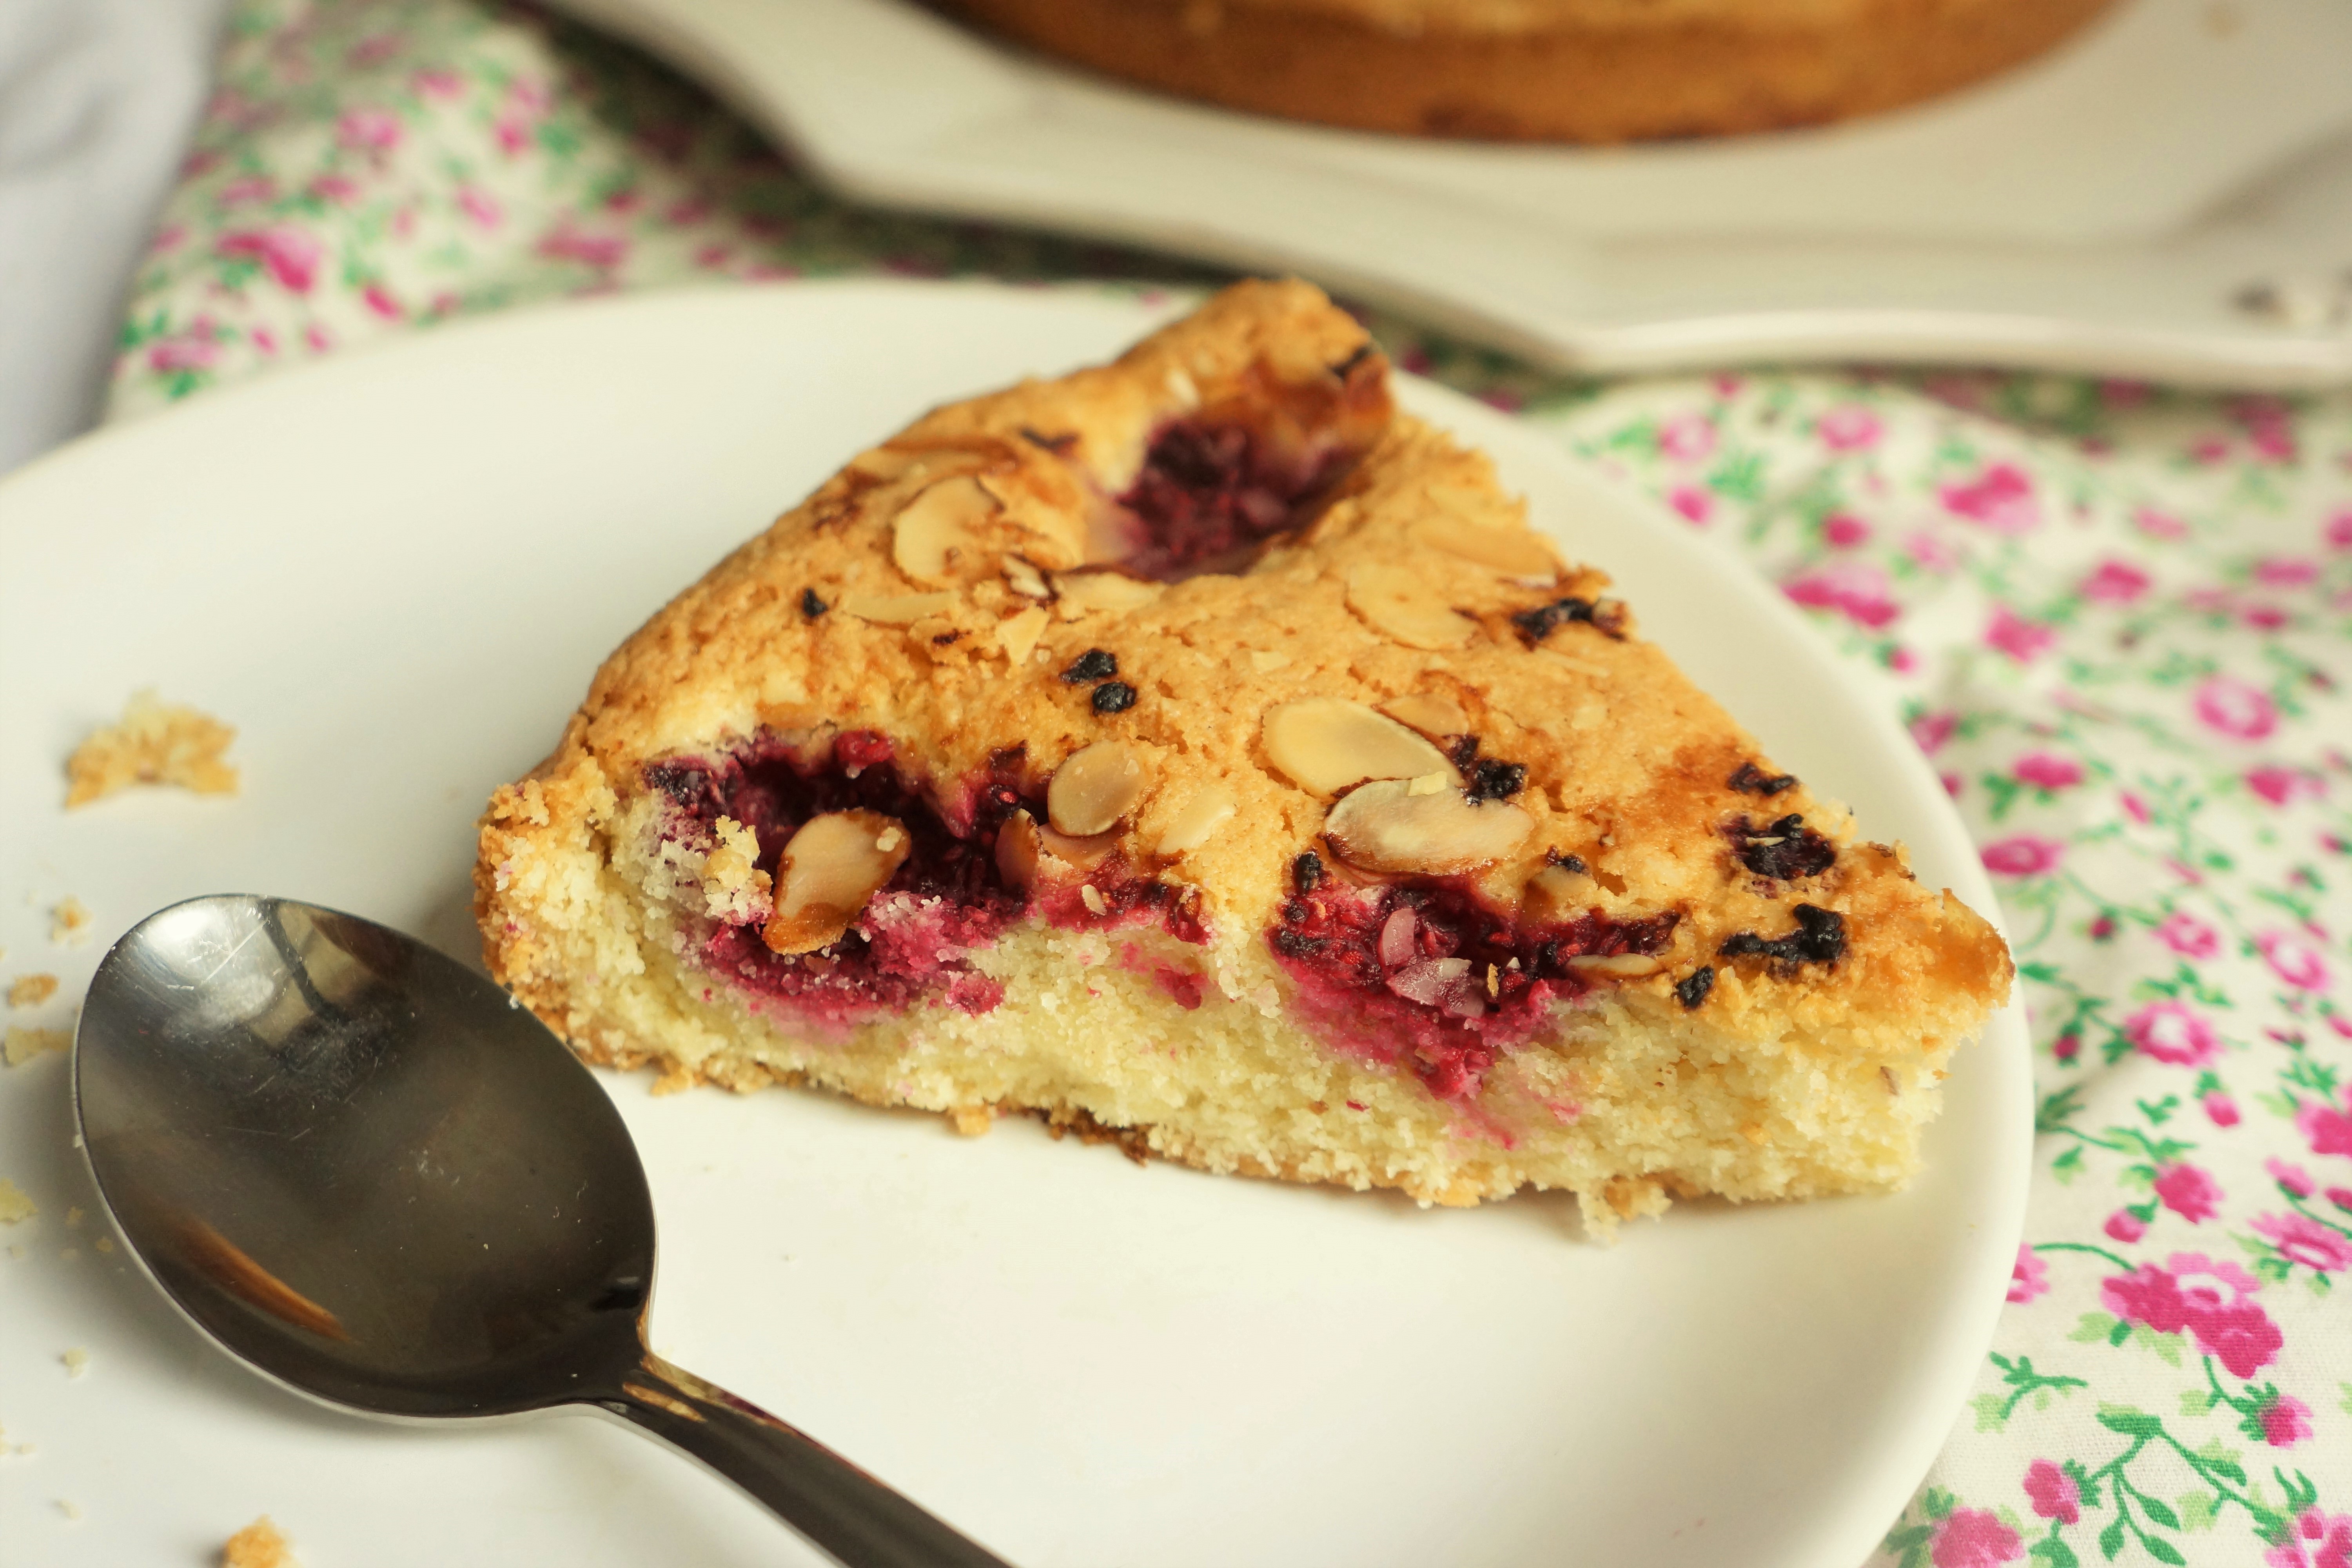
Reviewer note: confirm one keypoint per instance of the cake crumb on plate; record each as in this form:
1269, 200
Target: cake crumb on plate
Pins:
13, 1205
31, 990
152, 743
21, 1045
76, 1361
70, 919
258, 1545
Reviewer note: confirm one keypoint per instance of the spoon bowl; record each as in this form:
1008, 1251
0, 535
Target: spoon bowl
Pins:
366, 1172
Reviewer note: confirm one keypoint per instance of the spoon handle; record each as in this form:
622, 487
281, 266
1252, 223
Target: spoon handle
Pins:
839, 1508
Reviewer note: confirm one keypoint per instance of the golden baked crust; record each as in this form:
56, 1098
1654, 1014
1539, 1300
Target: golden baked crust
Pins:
934, 604
1566, 70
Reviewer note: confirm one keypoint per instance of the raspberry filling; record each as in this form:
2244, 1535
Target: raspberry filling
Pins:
1431, 978
1210, 495
912, 942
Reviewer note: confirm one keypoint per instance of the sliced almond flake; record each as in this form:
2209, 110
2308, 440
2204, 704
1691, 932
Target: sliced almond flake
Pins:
1397, 603
830, 868
1323, 744
896, 609
1209, 808
1432, 716
1515, 553
1094, 789
1266, 661
1623, 965
1017, 634
1105, 591
932, 540
1024, 579
1385, 826
1592, 671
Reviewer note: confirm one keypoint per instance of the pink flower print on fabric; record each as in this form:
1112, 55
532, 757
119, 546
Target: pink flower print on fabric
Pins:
1855, 589
2054, 1493
369, 130
2220, 1110
2029, 1277
2124, 1225
2293, 1178
2114, 583
598, 251
2188, 1192
2286, 571
2286, 1421
290, 254
2000, 499
2318, 1541
2046, 770
1848, 428
2326, 1128
2172, 1031
2212, 1300
1844, 531
2159, 524
1973, 1538
1693, 503
1931, 553
2235, 709
2294, 960
2022, 639
2026, 855
1930, 731
2187, 935
2282, 787
480, 205
183, 353
1687, 438
2339, 531
2305, 1240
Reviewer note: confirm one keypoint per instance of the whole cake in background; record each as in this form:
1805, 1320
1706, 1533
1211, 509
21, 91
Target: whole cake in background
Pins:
1198, 751
1545, 70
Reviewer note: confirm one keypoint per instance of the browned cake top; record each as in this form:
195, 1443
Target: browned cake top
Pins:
1197, 597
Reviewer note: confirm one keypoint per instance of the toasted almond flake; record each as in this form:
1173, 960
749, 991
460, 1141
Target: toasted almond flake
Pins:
1323, 744
933, 539
1092, 898
829, 870
1427, 784
1024, 579
1397, 603
1432, 716
1266, 661
896, 609
887, 463
1593, 671
1515, 553
1385, 826
1625, 965
1555, 893
1209, 808
1105, 591
1094, 788
1181, 388
1017, 634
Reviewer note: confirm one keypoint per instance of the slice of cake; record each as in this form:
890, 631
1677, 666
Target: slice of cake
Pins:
1198, 752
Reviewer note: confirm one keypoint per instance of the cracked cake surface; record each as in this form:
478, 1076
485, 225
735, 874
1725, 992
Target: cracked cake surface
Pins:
1199, 751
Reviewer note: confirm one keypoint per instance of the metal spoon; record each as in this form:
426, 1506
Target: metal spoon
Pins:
365, 1171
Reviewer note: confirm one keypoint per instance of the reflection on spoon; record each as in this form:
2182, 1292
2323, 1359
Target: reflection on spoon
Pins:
379, 1128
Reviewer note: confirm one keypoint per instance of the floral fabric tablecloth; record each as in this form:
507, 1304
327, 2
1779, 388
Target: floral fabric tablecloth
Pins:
2118, 618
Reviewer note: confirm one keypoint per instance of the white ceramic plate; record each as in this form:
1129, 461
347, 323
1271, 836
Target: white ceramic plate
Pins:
395, 572
2126, 206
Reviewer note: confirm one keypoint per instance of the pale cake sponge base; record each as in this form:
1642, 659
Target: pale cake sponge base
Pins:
1624, 1099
